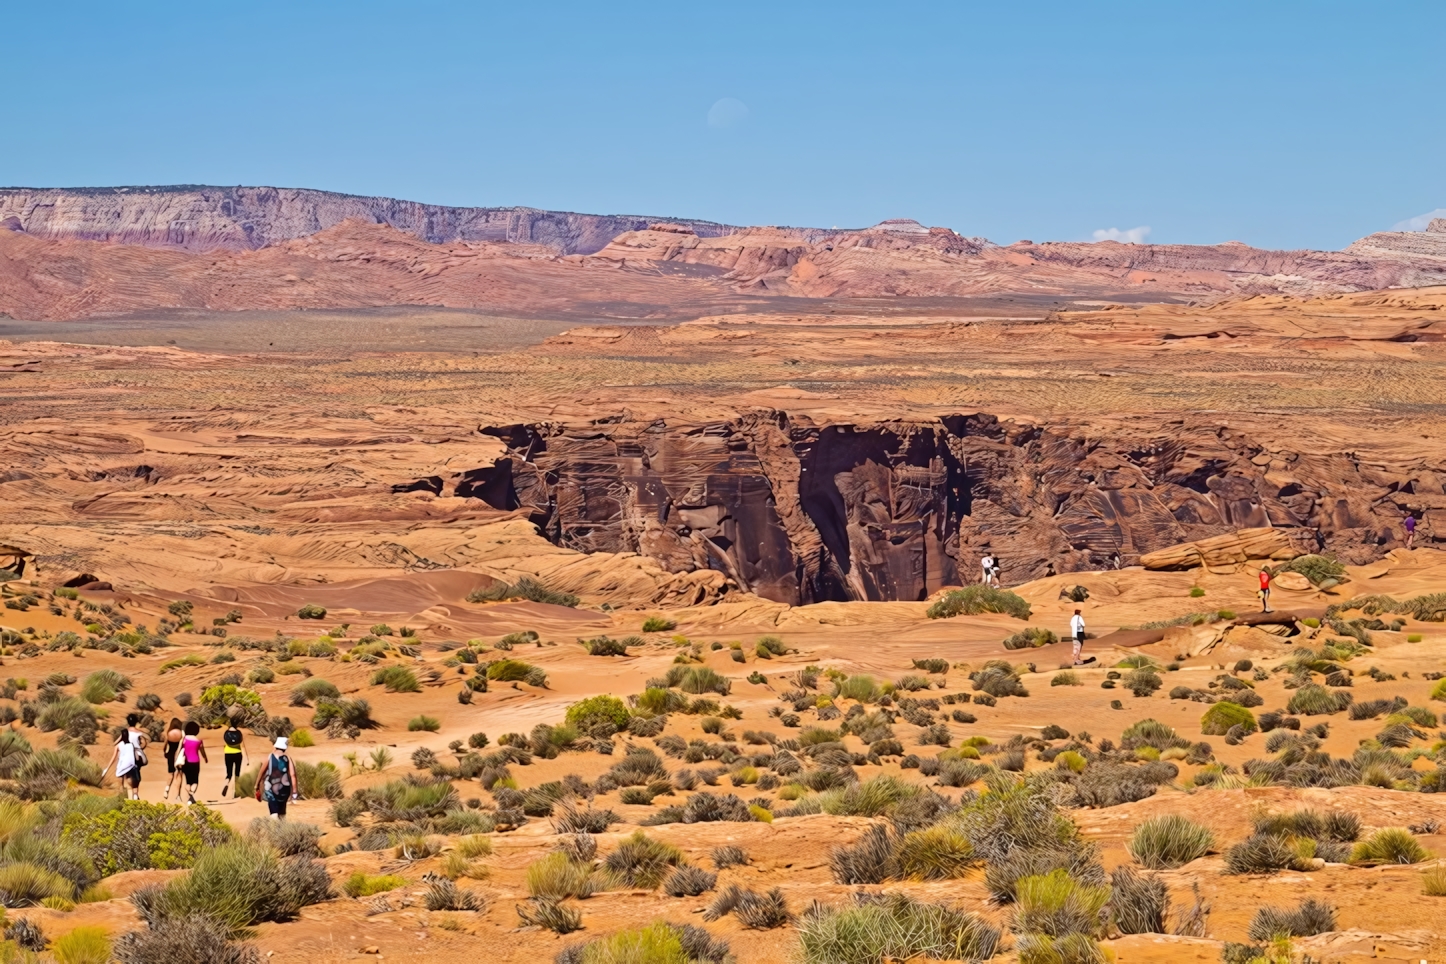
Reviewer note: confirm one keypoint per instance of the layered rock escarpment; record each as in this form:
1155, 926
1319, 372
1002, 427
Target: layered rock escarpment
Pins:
800, 512
202, 218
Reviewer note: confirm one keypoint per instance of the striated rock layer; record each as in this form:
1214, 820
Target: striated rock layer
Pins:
799, 512
200, 218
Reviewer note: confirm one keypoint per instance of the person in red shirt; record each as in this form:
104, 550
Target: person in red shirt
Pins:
1265, 590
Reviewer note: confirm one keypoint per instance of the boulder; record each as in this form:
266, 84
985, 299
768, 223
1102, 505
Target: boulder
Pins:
1292, 581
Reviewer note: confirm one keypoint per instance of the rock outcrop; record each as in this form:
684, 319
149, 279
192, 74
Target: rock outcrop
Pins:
798, 512
1232, 549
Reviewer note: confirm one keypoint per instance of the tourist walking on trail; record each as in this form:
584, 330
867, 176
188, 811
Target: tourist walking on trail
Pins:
1077, 634
1265, 590
234, 754
276, 783
125, 758
174, 736
193, 751
1410, 524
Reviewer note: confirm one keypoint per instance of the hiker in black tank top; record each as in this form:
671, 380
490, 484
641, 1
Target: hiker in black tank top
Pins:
174, 736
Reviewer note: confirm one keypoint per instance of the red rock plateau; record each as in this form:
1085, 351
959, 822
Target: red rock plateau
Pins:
71, 255
771, 480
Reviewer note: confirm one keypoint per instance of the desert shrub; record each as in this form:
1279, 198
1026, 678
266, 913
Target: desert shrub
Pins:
84, 945
311, 611
569, 819
75, 717
365, 885
1031, 637
23, 884
61, 764
998, 679
343, 712
1141, 682
1066, 677
729, 856
642, 861
445, 895
427, 724
558, 876
689, 882
607, 646
550, 915
1138, 902
525, 588
698, 679
584, 715
139, 836
1057, 904
872, 859
934, 853
200, 939
658, 624
509, 671
244, 883
1310, 918
397, 679
1259, 854
658, 943
14, 751
1221, 716
933, 665
1433, 881
860, 687
1392, 845
973, 600
894, 927
1315, 700
1169, 841
1317, 569
314, 688
289, 838
1438, 692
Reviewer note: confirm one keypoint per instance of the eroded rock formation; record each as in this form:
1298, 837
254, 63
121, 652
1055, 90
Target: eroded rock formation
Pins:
798, 511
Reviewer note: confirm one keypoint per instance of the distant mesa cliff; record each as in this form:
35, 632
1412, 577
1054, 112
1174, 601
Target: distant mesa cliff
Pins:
68, 254
245, 218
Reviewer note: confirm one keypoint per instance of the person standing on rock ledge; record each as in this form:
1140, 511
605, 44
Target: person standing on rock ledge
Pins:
1077, 632
1264, 590
987, 566
1410, 524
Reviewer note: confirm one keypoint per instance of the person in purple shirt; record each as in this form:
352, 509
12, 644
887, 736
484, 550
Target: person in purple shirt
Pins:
1410, 524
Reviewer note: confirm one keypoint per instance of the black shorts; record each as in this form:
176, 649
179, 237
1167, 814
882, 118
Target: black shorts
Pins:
277, 807
191, 772
131, 777
233, 765
171, 757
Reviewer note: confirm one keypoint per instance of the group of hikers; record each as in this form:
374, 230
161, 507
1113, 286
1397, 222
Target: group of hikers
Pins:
185, 751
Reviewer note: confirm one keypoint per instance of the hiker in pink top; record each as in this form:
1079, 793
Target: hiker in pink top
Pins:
193, 749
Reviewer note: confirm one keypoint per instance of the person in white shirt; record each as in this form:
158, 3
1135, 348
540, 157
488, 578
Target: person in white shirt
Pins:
1077, 630
987, 564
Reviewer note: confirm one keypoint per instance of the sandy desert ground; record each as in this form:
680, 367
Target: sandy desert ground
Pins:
175, 486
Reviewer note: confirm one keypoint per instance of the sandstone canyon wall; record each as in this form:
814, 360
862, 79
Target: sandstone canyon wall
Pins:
802, 512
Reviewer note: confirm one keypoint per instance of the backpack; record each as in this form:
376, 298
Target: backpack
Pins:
232, 737
276, 781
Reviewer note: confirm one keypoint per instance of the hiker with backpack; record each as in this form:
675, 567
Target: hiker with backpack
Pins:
174, 735
276, 783
234, 753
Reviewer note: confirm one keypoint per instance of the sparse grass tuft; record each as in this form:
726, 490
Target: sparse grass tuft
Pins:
894, 927
1392, 845
1310, 918
364, 885
1170, 841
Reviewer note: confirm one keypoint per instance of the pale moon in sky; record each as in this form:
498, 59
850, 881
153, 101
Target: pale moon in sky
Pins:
727, 112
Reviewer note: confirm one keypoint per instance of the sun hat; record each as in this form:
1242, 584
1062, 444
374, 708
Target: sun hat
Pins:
281, 743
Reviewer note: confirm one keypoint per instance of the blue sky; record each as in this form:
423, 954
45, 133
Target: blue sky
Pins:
1281, 124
